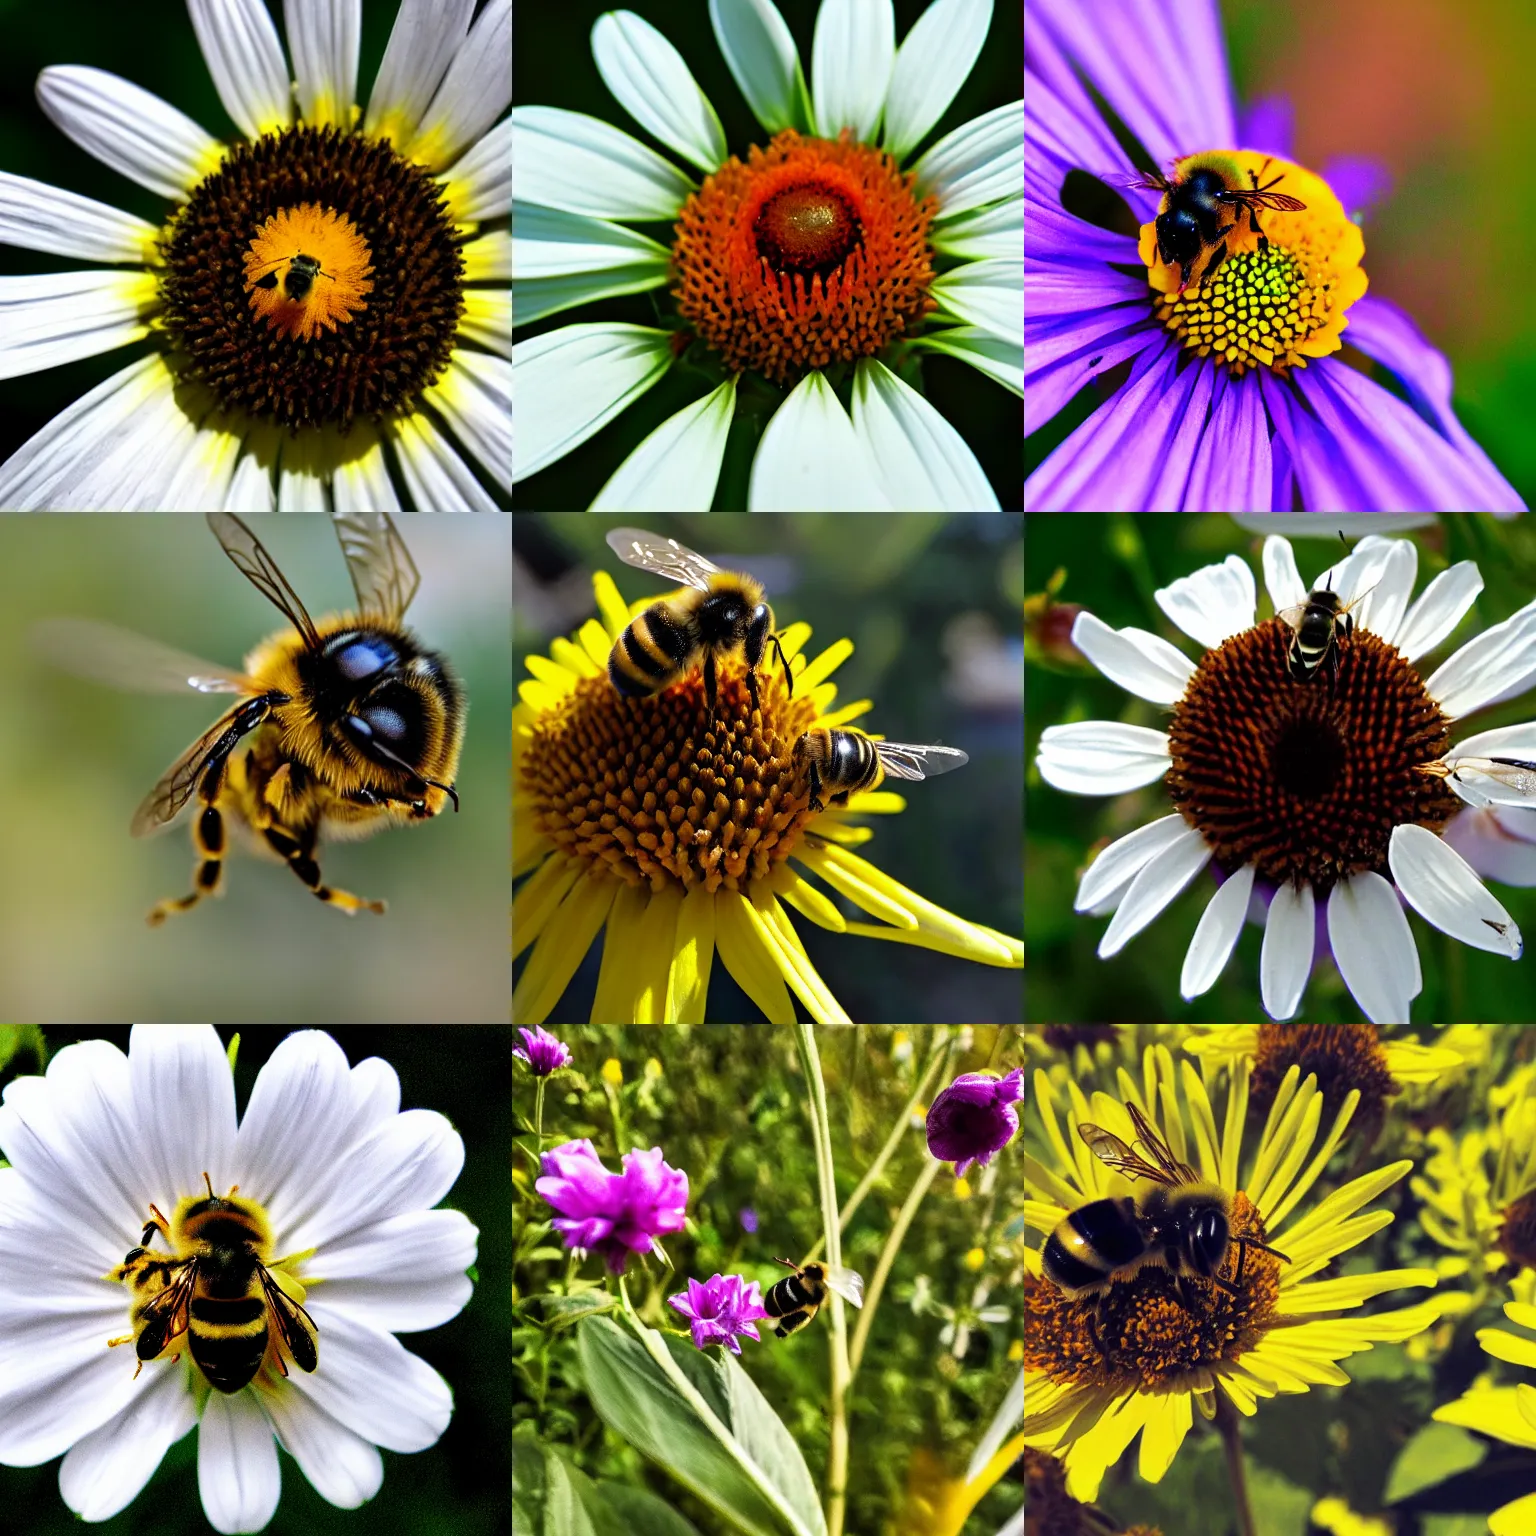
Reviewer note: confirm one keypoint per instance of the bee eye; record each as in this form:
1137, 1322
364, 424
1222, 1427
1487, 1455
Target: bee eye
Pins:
362, 658
377, 721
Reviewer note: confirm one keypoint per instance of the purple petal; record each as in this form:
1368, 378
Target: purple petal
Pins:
1358, 181
1233, 469
1269, 126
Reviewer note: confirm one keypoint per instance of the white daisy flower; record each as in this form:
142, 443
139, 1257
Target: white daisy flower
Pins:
327, 302
1322, 806
347, 1182
814, 251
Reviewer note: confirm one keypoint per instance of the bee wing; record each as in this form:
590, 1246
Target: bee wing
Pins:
1119, 1155
1147, 1135
121, 659
662, 557
384, 576
294, 1324
161, 806
906, 760
1292, 615
1281, 201
848, 1283
260, 569
1516, 777
165, 1315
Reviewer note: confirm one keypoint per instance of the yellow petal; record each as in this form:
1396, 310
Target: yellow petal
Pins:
1168, 1420
612, 607
1517, 1519
833, 865
596, 643
658, 938
618, 978
537, 695
552, 674
693, 955
806, 899
874, 802
847, 712
750, 958
796, 965
561, 948
825, 664
529, 846
538, 898
574, 658
793, 639
1507, 1346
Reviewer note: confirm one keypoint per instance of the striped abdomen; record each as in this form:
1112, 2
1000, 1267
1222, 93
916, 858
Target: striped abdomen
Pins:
1091, 1243
651, 653
228, 1325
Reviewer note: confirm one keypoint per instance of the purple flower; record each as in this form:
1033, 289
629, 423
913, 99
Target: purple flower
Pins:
748, 1218
615, 1213
721, 1310
545, 1054
974, 1117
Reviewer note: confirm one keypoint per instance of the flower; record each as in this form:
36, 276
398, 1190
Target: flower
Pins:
347, 1184
974, 1118
545, 1054
374, 375
1506, 1413
722, 1310
684, 853
1230, 396
1137, 1358
748, 1219
793, 271
615, 1213
1305, 797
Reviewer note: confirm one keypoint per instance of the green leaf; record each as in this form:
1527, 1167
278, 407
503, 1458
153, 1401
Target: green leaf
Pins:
562, 1311
18, 1037
736, 1463
1436, 1452
549, 1496
641, 1513
1280, 1508
1455, 1525
545, 1255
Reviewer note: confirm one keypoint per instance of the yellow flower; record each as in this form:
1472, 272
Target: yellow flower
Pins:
613, 1073
962, 1189
620, 821
1139, 1360
1405, 1059
1335, 1516
975, 1258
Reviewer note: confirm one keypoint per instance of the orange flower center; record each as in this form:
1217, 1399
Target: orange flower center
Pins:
307, 268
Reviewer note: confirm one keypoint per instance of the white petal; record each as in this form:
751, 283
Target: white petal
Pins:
1285, 961
246, 61
344, 1469
547, 242
475, 398
486, 320
1500, 844
761, 55
932, 64
1281, 578
677, 466
478, 186
996, 230
422, 43
141, 471
1444, 890
68, 1393
570, 383
1517, 741
104, 1472
323, 37
476, 90
237, 1471
1141, 663
569, 160
1113, 870
1001, 361
649, 79
38, 217
1377, 581
362, 483
488, 259
988, 294
251, 489
1216, 934
851, 57
923, 462
127, 128
203, 470
1159, 881
184, 1100
1373, 947
1441, 607
436, 477
537, 297
1495, 665
1214, 603
811, 460
405, 1274
301, 487
1101, 757
980, 162
61, 317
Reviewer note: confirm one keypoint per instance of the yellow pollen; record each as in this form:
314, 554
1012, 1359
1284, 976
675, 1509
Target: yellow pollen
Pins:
307, 268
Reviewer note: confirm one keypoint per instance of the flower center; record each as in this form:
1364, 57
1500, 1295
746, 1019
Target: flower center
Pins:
812, 252
1341, 1056
649, 791
313, 278
1306, 780
1517, 1234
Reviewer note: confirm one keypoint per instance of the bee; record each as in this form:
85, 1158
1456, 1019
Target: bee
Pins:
797, 1298
1319, 624
343, 727
297, 280
844, 762
719, 612
220, 1288
1178, 1222
1516, 775
1191, 220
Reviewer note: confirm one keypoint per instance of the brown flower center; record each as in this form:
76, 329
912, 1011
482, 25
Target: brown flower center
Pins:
1517, 1236
1342, 1056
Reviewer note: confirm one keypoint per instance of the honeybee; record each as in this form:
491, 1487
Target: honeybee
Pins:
719, 612
845, 762
1179, 1222
1319, 624
219, 1286
297, 280
797, 1298
344, 726
1516, 775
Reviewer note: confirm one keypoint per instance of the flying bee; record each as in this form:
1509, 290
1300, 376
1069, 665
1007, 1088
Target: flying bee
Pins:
297, 280
344, 726
1178, 1222
220, 1288
717, 613
845, 762
797, 1298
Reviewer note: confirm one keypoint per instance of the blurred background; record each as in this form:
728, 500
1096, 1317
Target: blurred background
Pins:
552, 66
77, 758
932, 606
1438, 92
1111, 565
459, 1486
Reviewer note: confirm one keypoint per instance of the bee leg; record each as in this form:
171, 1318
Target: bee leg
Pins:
752, 690
208, 841
1218, 256
709, 682
301, 861
789, 677
815, 787
1093, 1333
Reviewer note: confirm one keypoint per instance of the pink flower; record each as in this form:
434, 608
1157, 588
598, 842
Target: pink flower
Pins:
545, 1054
614, 1213
974, 1118
722, 1310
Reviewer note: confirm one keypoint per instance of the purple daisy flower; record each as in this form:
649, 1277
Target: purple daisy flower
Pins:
974, 1118
1236, 397
545, 1054
721, 1310
615, 1213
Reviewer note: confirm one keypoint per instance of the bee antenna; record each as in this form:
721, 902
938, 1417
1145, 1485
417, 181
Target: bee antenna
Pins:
208, 1182
786, 1263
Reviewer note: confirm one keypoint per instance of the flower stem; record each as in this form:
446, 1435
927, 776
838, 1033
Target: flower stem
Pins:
887, 1259
1232, 1444
538, 1113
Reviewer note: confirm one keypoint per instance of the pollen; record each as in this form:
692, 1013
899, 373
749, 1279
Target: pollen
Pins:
306, 268
1279, 296
652, 792
1306, 780
812, 252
